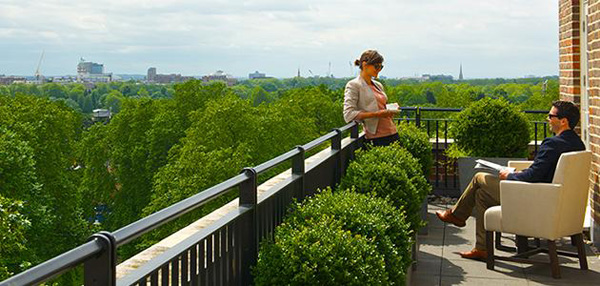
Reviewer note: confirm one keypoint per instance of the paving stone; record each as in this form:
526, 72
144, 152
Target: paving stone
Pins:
428, 265
425, 280
474, 281
471, 268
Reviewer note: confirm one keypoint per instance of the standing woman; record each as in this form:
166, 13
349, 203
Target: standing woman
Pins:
365, 101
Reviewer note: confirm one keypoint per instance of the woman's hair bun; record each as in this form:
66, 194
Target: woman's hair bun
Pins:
357, 62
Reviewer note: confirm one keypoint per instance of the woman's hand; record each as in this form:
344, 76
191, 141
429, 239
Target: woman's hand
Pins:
385, 113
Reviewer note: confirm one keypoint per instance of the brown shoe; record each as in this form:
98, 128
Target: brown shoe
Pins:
474, 254
447, 216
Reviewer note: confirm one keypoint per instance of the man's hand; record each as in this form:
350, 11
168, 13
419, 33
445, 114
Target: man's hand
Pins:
503, 174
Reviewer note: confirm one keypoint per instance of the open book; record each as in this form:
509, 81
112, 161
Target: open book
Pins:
392, 106
483, 164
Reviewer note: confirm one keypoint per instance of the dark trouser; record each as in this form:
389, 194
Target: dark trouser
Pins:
381, 141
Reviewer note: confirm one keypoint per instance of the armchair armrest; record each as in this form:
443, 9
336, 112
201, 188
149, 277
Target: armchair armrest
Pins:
530, 209
520, 165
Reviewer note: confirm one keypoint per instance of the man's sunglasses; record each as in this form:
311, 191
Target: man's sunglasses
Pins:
553, 115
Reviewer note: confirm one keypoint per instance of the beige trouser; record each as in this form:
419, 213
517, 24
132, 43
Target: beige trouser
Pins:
482, 193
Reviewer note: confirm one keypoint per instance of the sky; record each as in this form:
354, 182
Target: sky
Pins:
491, 38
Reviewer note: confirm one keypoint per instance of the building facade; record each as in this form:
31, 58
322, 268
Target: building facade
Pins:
220, 76
11, 79
92, 72
151, 74
256, 74
579, 50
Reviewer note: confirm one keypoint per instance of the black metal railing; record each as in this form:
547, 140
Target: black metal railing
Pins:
445, 172
223, 252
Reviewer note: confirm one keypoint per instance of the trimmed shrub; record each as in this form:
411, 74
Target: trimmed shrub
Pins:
490, 128
390, 172
417, 143
319, 252
365, 215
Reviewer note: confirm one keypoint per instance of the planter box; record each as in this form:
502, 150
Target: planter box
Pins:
425, 229
466, 170
413, 265
409, 274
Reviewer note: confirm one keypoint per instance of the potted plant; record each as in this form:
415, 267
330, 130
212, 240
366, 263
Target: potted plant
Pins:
490, 129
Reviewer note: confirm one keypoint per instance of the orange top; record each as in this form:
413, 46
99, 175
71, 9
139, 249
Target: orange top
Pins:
385, 126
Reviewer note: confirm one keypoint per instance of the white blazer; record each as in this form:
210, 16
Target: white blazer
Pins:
358, 96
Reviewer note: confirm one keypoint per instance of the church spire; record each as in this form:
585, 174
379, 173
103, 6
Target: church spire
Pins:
460, 75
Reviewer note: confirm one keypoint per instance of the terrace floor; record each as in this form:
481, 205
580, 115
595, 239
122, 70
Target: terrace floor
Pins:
439, 263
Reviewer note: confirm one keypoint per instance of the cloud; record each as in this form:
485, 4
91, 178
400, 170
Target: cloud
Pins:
491, 38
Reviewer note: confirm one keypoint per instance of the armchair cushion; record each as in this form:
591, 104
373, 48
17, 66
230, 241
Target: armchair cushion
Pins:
519, 165
493, 219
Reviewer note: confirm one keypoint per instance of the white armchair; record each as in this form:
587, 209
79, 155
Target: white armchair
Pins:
519, 165
546, 211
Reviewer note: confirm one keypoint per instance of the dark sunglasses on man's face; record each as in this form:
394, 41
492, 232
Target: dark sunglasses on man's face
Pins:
550, 115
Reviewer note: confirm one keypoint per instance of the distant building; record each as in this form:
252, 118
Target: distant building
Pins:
88, 68
171, 78
441, 78
220, 76
103, 115
63, 79
92, 72
151, 74
256, 74
165, 78
460, 75
11, 79
422, 78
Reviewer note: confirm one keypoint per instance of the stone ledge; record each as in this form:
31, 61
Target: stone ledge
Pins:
129, 265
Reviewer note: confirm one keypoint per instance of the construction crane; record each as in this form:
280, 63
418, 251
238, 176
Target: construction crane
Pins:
38, 75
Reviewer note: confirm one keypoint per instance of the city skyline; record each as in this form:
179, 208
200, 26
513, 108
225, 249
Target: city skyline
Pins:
493, 39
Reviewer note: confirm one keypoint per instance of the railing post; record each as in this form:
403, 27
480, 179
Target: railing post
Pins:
535, 138
354, 131
101, 270
298, 170
353, 135
418, 117
248, 239
336, 146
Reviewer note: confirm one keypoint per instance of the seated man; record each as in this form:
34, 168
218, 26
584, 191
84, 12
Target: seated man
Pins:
484, 190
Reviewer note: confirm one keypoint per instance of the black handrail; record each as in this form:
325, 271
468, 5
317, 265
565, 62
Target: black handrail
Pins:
311, 145
157, 219
276, 161
56, 265
412, 108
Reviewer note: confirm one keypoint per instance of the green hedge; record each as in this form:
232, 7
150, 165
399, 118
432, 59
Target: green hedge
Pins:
390, 172
360, 235
319, 252
490, 128
417, 143
365, 215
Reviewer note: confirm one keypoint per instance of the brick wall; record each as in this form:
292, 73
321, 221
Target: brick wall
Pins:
569, 50
593, 34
